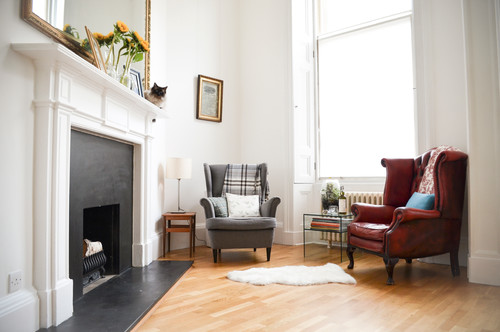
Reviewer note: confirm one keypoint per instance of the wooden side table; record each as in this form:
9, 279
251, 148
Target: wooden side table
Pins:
168, 228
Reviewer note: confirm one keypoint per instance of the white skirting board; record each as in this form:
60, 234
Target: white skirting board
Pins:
19, 311
484, 270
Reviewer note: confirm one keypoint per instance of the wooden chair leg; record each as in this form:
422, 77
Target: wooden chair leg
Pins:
455, 267
214, 252
268, 251
350, 251
389, 266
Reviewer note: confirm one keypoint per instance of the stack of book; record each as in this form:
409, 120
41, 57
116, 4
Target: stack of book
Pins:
327, 224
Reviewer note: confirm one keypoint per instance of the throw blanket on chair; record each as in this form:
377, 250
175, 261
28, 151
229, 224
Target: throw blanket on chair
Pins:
244, 179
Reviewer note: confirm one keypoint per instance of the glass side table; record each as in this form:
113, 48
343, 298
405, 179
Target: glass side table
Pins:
329, 223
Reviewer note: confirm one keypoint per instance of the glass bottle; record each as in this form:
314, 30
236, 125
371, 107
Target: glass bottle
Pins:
342, 201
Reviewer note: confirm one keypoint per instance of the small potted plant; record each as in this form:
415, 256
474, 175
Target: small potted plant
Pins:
330, 194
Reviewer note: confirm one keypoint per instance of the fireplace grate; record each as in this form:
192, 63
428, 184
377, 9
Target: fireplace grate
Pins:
93, 267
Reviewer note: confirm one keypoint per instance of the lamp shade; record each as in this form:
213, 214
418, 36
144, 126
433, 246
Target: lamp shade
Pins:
178, 168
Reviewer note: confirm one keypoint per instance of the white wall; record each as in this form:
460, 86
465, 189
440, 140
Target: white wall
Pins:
440, 73
190, 38
218, 38
265, 101
441, 86
16, 170
482, 31
458, 101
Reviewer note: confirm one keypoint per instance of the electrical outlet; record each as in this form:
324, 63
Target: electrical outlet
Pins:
15, 281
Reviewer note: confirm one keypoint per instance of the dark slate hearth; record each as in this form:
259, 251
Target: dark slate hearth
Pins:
121, 302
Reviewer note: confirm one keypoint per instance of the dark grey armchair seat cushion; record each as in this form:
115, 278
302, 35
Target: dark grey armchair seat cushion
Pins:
241, 224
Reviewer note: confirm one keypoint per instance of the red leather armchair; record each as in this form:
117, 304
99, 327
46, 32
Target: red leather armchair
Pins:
394, 231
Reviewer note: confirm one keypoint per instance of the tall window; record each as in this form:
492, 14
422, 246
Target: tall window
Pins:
365, 85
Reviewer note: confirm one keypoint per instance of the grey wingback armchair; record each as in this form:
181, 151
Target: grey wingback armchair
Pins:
226, 232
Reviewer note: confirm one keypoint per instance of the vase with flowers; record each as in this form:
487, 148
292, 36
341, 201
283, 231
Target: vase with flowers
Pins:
122, 43
119, 32
109, 56
114, 37
134, 47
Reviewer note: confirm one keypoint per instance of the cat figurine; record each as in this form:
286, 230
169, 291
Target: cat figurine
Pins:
157, 95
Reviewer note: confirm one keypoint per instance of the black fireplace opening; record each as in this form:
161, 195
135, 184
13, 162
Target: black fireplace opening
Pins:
101, 203
102, 224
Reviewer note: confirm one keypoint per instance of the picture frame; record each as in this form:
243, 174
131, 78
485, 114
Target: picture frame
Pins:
209, 106
136, 82
96, 50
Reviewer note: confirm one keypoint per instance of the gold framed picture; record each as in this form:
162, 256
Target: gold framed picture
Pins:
209, 99
96, 50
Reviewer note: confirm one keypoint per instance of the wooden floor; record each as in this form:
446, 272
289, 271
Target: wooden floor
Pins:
425, 297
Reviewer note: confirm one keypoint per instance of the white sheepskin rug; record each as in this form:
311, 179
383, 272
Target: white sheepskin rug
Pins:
293, 275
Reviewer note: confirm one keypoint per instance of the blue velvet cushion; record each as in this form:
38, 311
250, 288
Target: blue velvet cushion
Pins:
220, 206
421, 201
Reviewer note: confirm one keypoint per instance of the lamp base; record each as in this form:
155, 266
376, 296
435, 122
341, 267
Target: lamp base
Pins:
177, 212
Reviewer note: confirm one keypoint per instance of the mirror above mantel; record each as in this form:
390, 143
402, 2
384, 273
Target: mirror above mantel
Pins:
50, 16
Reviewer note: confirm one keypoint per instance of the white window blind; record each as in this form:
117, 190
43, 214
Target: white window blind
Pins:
365, 90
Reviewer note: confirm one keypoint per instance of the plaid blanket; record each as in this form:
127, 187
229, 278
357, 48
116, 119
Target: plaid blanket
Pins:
244, 179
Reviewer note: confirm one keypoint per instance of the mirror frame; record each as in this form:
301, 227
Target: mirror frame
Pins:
59, 36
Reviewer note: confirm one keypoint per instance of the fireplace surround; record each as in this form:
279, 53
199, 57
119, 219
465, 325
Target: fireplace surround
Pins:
100, 205
70, 93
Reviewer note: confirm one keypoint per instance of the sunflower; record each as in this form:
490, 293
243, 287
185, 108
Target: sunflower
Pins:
122, 26
99, 36
145, 45
71, 31
129, 43
138, 37
86, 45
109, 37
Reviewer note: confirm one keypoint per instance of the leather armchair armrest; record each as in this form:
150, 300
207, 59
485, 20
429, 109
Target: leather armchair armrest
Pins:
404, 214
268, 208
208, 207
372, 213
417, 233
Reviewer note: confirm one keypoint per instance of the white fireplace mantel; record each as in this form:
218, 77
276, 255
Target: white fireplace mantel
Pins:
70, 93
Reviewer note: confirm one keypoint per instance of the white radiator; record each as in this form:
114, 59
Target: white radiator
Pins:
361, 197
375, 198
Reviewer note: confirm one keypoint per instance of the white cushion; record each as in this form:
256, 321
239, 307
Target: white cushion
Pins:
243, 206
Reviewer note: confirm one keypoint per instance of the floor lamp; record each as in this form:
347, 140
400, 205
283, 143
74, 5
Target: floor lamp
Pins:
178, 168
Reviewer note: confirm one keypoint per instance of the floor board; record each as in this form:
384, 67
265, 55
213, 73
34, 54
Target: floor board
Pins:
425, 297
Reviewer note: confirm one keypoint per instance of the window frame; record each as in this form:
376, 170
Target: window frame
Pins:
360, 183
